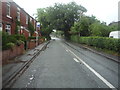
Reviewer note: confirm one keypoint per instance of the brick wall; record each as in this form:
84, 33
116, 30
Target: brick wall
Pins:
9, 54
31, 44
23, 18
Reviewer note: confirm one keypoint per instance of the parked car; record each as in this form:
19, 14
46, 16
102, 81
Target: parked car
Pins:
114, 34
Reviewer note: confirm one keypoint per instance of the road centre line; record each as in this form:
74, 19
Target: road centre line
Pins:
91, 69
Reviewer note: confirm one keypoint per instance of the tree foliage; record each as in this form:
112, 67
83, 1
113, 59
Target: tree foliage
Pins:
114, 27
59, 17
99, 29
90, 26
82, 26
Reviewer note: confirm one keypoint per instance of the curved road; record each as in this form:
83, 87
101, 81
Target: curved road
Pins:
61, 66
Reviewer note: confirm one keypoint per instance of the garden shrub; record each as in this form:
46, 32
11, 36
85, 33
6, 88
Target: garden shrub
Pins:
9, 41
19, 42
10, 45
20, 37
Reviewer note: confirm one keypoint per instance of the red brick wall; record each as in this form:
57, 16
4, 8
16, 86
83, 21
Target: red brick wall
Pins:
0, 11
9, 54
14, 17
31, 44
3, 9
26, 34
23, 18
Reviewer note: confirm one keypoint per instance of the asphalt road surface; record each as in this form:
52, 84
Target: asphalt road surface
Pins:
61, 66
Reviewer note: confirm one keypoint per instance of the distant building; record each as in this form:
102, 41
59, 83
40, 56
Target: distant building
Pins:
11, 15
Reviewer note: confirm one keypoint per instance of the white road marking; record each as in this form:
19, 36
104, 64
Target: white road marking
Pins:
32, 78
75, 59
91, 69
67, 51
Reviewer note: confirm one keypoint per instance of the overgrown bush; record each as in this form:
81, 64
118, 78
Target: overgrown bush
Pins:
10, 45
20, 37
9, 40
19, 42
99, 42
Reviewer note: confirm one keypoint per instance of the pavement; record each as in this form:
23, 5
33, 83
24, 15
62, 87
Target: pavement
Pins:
11, 69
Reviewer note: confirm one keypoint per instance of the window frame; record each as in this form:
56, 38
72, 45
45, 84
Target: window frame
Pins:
8, 28
26, 19
18, 14
8, 9
1, 26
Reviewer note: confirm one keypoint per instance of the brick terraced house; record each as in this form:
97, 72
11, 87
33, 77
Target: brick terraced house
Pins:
11, 15
15, 20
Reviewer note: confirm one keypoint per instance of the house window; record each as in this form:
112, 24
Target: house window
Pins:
18, 14
26, 19
0, 26
8, 9
8, 29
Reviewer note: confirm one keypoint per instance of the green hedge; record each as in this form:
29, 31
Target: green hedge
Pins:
99, 42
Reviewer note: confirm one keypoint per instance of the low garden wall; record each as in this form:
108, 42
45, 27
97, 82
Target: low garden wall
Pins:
11, 53
31, 44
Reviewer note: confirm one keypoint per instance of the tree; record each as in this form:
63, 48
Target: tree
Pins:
99, 29
45, 25
82, 26
60, 17
114, 26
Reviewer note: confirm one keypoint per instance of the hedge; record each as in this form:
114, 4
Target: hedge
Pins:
99, 42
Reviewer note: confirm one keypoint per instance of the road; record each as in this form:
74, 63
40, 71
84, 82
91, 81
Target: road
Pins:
61, 66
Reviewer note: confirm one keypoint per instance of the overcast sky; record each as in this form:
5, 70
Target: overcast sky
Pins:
104, 10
